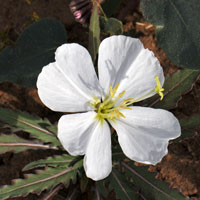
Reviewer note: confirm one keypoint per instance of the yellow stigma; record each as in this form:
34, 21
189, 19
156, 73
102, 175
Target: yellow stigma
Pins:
158, 89
108, 108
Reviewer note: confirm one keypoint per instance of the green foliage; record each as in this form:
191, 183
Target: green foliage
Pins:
34, 49
36, 183
110, 6
150, 187
83, 183
111, 26
17, 144
188, 126
37, 127
121, 186
117, 153
177, 29
175, 86
190, 122
56, 161
100, 186
94, 33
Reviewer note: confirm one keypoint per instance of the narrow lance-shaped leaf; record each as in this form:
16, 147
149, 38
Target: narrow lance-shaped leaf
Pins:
121, 186
150, 187
175, 86
17, 144
102, 190
177, 29
31, 124
94, 32
56, 161
36, 183
34, 49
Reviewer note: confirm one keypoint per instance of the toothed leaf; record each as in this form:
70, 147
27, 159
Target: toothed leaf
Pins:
31, 124
17, 144
36, 183
56, 161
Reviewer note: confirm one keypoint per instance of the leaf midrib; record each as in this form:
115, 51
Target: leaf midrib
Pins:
146, 181
40, 181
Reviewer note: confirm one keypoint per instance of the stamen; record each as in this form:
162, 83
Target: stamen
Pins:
158, 89
124, 107
111, 91
121, 94
127, 100
116, 87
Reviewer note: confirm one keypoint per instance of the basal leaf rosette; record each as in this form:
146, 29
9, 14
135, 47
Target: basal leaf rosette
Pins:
128, 73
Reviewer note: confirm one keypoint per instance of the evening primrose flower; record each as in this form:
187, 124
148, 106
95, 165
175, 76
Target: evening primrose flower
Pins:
128, 73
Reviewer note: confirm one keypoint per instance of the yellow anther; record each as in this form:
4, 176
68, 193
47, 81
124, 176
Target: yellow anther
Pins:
111, 91
121, 94
117, 114
122, 115
116, 87
158, 89
125, 107
128, 100
108, 108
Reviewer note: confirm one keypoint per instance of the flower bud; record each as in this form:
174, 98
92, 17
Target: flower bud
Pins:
81, 9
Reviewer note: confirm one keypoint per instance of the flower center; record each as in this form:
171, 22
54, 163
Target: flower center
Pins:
108, 108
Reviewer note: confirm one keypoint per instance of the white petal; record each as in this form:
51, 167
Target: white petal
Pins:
97, 161
75, 130
124, 60
145, 132
70, 83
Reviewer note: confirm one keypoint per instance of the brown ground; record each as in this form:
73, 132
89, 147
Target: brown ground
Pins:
180, 168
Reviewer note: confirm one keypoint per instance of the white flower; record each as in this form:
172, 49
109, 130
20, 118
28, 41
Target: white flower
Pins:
127, 73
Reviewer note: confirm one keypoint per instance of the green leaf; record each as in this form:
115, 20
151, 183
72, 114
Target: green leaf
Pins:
100, 186
94, 33
37, 127
121, 186
177, 29
84, 183
111, 26
175, 86
36, 183
17, 144
190, 122
117, 153
34, 49
110, 6
56, 161
184, 134
150, 187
